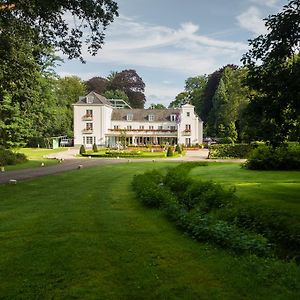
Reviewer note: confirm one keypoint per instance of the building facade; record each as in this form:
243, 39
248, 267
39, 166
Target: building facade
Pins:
101, 121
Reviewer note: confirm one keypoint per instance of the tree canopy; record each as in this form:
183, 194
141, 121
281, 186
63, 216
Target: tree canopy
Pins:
274, 78
60, 24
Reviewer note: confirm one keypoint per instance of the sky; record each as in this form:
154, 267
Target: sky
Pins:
167, 41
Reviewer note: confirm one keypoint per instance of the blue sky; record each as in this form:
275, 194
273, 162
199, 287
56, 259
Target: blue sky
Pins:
167, 41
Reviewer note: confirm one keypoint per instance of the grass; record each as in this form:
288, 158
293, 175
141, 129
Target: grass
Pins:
83, 235
35, 158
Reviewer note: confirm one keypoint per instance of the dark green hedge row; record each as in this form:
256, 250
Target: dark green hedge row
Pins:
189, 204
7, 157
229, 151
280, 227
281, 158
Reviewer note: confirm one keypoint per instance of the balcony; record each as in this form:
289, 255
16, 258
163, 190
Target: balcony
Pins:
87, 118
186, 132
87, 130
144, 132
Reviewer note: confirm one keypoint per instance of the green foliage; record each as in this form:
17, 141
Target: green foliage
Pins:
82, 150
274, 78
229, 150
187, 203
157, 106
148, 188
95, 149
7, 157
115, 154
206, 196
170, 152
116, 94
178, 149
280, 227
280, 158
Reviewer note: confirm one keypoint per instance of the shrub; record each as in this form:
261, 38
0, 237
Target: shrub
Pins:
229, 151
206, 196
7, 157
280, 158
170, 152
280, 227
82, 150
178, 149
95, 149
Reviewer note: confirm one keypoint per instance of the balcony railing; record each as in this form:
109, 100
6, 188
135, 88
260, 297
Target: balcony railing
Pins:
143, 130
87, 130
186, 132
87, 118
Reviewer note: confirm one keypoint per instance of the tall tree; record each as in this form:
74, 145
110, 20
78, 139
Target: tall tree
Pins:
97, 84
274, 76
133, 86
180, 99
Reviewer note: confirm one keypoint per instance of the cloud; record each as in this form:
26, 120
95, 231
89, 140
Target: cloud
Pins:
269, 3
183, 49
252, 20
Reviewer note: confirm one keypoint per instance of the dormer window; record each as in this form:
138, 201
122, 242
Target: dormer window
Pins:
129, 117
173, 118
89, 99
150, 117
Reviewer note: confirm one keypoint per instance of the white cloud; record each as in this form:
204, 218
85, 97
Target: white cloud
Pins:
269, 3
252, 20
183, 50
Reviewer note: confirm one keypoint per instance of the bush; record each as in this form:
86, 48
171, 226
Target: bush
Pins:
7, 157
280, 227
155, 190
82, 150
178, 149
206, 196
229, 151
170, 152
280, 158
95, 149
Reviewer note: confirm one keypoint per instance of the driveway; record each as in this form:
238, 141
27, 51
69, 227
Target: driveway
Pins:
71, 162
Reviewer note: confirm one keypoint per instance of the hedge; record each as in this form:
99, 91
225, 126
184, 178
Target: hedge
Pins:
7, 157
229, 150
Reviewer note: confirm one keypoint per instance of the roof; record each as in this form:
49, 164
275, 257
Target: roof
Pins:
141, 115
94, 98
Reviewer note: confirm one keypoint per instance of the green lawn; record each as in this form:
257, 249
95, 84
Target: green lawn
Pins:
35, 158
83, 235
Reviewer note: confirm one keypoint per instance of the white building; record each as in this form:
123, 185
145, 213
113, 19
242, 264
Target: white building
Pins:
105, 122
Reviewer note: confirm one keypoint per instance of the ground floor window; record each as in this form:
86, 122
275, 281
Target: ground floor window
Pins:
188, 142
89, 140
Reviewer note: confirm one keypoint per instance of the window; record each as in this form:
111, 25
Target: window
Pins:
150, 117
172, 127
89, 140
89, 99
173, 118
129, 117
187, 127
151, 127
129, 127
94, 140
89, 126
188, 142
141, 126
89, 113
188, 114
160, 127
116, 126
83, 140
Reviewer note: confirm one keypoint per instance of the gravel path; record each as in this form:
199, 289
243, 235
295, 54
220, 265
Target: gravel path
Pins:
70, 162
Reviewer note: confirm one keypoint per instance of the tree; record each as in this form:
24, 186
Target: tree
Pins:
180, 99
132, 84
274, 78
97, 84
157, 106
47, 19
116, 94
